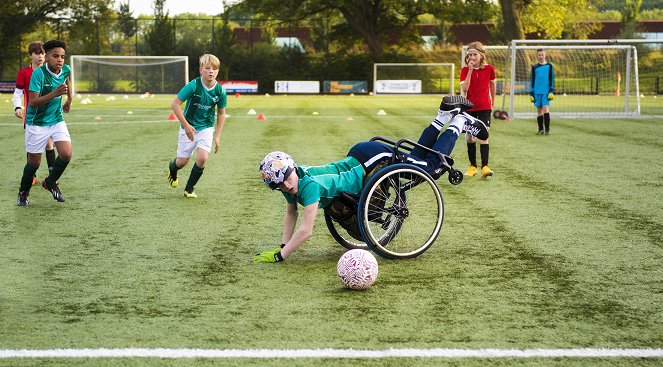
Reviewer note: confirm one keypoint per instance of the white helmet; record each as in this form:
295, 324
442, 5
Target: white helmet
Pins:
275, 168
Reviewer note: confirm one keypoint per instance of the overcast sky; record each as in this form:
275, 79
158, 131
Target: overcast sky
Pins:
174, 7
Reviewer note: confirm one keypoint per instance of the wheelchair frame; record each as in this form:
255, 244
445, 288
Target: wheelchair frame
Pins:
379, 224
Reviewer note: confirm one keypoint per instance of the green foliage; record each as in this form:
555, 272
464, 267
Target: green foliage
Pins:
552, 19
18, 18
619, 5
372, 22
653, 14
127, 24
161, 35
631, 12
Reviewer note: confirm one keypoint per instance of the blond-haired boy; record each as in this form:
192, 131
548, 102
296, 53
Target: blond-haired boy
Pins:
197, 122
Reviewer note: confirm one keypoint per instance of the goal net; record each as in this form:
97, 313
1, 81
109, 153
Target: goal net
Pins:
590, 80
129, 74
413, 78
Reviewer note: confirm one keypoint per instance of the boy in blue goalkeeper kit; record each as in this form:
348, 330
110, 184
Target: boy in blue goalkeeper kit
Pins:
542, 85
316, 187
44, 120
202, 95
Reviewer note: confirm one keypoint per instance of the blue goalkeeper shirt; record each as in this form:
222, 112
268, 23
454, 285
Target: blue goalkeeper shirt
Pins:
542, 78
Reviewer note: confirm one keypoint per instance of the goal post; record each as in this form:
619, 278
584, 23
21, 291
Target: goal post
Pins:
413, 78
128, 74
590, 80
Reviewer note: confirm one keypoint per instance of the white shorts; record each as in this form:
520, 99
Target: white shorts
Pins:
201, 139
36, 137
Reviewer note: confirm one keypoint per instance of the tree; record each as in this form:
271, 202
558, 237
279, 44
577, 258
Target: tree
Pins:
127, 23
513, 27
22, 17
552, 19
161, 36
87, 26
374, 22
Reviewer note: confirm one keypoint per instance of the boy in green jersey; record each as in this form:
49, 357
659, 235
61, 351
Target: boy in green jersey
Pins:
44, 121
197, 129
315, 187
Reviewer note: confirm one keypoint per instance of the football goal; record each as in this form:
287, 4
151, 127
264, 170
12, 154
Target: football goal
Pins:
129, 74
590, 80
413, 78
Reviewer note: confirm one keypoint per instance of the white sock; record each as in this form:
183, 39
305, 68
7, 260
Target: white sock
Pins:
457, 124
442, 119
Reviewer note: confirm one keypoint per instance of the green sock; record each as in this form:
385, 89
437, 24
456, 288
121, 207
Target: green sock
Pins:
26, 180
196, 172
50, 158
172, 166
58, 168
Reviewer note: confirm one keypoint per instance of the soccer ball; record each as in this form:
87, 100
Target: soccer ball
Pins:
357, 269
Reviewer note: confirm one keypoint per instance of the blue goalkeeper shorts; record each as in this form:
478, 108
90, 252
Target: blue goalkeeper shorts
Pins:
541, 100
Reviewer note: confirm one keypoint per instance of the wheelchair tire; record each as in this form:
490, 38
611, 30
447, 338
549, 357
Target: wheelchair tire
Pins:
344, 240
401, 211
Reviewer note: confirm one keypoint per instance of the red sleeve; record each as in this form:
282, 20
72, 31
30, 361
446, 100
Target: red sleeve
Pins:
492, 73
20, 80
463, 73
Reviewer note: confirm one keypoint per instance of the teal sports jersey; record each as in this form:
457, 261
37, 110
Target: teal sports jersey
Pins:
200, 102
323, 183
43, 81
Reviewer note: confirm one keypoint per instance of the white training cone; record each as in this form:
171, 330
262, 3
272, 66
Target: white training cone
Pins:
252, 112
382, 113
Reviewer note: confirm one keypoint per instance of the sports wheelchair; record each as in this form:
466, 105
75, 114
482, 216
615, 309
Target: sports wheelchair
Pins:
400, 210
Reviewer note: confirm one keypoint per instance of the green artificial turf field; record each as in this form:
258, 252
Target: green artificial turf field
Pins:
561, 249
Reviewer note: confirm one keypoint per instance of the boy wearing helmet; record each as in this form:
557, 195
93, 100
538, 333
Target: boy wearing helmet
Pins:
316, 187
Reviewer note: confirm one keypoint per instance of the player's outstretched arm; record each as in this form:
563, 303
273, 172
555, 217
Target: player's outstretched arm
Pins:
304, 232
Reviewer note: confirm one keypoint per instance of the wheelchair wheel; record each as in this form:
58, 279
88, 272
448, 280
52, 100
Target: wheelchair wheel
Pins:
341, 235
400, 212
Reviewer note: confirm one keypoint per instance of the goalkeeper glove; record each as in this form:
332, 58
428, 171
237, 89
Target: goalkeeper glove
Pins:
531, 99
270, 256
551, 96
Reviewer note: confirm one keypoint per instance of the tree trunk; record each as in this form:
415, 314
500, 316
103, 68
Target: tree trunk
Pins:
364, 22
513, 28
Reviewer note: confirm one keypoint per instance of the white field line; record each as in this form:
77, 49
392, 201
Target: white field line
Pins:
331, 353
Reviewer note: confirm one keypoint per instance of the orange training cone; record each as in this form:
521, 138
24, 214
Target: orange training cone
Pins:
261, 117
172, 117
237, 95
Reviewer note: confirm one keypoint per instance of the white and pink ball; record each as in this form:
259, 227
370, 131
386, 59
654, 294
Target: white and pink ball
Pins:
358, 269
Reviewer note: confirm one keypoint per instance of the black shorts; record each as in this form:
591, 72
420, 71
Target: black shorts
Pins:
483, 115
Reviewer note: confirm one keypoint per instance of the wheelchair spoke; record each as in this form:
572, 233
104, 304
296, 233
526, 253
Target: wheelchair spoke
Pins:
403, 212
